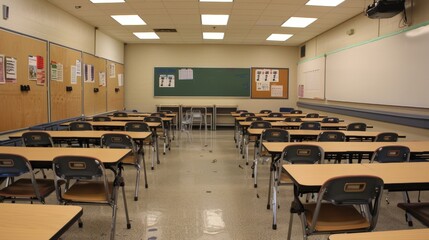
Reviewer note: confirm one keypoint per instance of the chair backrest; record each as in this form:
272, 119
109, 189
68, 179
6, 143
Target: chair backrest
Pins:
120, 114
158, 114
101, 119
310, 126
137, 126
293, 119
247, 114
312, 115
352, 190
12, 165
296, 111
265, 111
37, 139
302, 154
253, 118
275, 114
77, 167
386, 137
275, 135
331, 136
390, 154
117, 140
153, 119
260, 124
357, 126
80, 126
330, 120
166, 111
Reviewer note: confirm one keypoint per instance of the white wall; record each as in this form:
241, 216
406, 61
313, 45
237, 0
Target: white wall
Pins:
140, 60
41, 19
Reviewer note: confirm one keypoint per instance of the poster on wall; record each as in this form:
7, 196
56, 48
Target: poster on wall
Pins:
32, 68
276, 91
73, 78
88, 74
54, 72
11, 69
2, 77
102, 79
120, 80
112, 70
275, 75
41, 75
60, 72
262, 86
78, 68
166, 81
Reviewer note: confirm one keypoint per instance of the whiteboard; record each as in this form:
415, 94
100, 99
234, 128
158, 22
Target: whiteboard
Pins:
390, 71
311, 79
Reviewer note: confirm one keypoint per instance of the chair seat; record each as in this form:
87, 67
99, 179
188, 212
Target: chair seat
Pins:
336, 218
418, 210
83, 191
24, 188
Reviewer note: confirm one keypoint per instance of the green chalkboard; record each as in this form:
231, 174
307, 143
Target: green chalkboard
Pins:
202, 81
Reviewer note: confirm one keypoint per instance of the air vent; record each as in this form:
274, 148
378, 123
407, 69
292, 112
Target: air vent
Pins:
164, 30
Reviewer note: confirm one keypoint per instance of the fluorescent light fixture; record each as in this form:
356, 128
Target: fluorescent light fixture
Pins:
214, 19
216, 0
298, 22
128, 19
324, 3
213, 35
146, 35
107, 1
279, 37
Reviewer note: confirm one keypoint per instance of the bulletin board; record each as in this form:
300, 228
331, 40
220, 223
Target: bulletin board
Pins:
270, 83
183, 81
65, 82
94, 84
23, 66
115, 86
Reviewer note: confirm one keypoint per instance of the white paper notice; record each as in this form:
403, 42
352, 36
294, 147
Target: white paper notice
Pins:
258, 75
32, 68
73, 78
262, 86
267, 75
166, 81
275, 75
120, 80
11, 69
78, 68
60, 72
276, 91
186, 74
102, 79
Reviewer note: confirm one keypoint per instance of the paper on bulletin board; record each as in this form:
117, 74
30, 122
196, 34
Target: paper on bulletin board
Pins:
73, 77
274, 75
11, 69
2, 77
262, 86
32, 68
54, 72
112, 70
186, 74
120, 79
78, 68
60, 72
259, 75
88, 74
167, 81
276, 91
102, 79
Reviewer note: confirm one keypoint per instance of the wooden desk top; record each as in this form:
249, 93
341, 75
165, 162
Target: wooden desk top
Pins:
391, 173
43, 154
415, 146
409, 234
300, 115
87, 134
297, 124
114, 124
36, 221
274, 119
145, 115
256, 131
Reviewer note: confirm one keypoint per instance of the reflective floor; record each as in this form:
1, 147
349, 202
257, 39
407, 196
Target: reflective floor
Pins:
203, 190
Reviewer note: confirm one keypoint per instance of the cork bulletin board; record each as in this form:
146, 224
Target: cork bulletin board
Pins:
270, 83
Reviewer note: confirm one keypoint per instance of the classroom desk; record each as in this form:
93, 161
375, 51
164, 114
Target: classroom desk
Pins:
35, 221
409, 234
299, 115
299, 134
276, 119
295, 125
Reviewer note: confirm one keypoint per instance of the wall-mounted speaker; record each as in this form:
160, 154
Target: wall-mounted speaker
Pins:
5, 12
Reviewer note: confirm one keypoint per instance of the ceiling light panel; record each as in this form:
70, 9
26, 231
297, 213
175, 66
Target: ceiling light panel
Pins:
213, 35
128, 19
214, 19
324, 3
298, 22
279, 37
146, 35
216, 1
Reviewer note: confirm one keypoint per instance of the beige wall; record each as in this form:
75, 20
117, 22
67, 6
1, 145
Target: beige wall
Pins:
41, 19
140, 60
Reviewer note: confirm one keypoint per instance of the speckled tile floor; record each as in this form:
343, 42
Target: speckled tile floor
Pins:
203, 190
